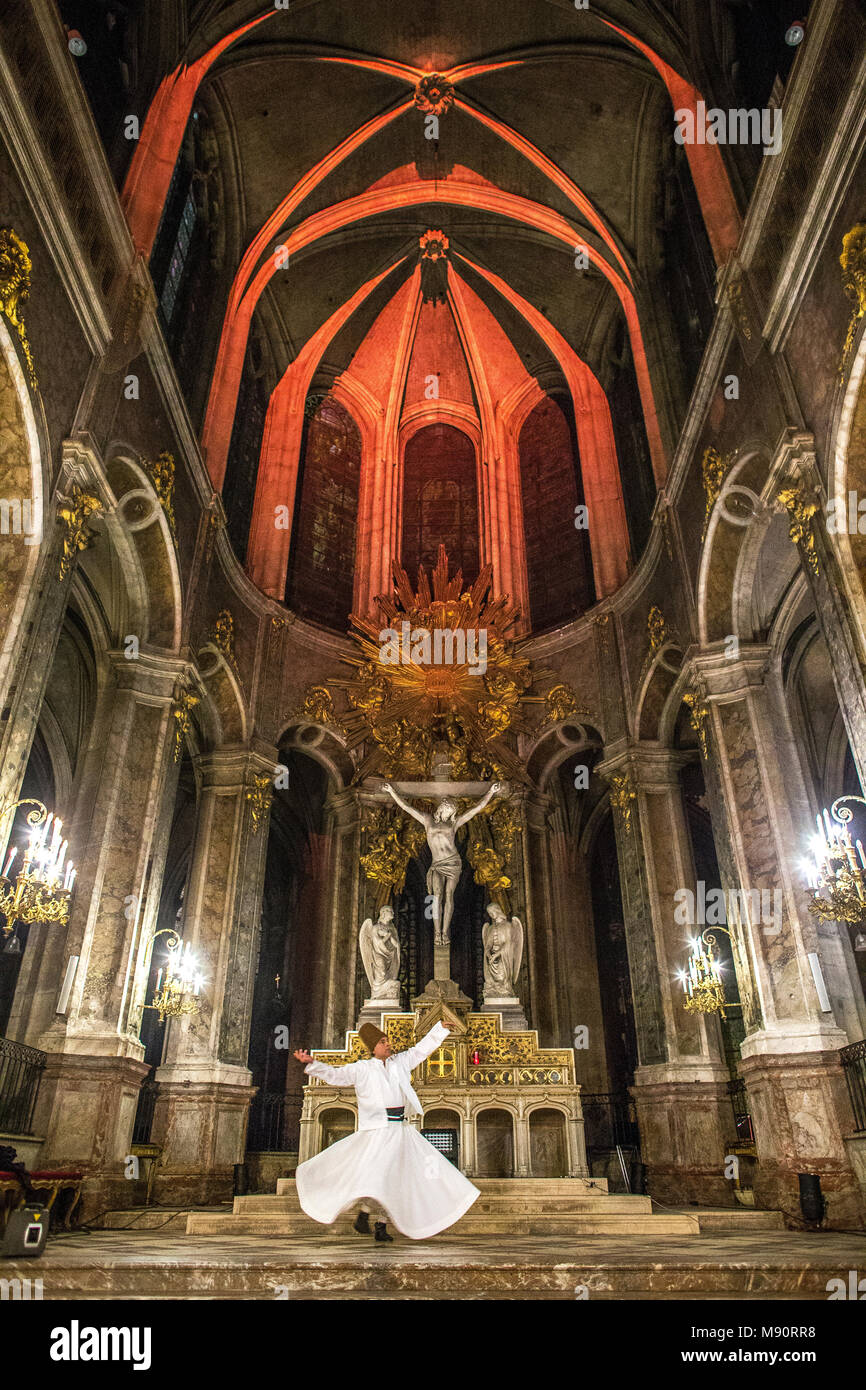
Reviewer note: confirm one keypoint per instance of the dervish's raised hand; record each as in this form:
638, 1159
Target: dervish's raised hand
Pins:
303, 1056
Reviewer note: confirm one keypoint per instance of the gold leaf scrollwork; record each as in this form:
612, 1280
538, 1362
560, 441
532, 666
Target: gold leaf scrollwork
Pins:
698, 718
491, 842
853, 263
562, 703
161, 472
622, 794
185, 702
224, 634
318, 705
658, 630
73, 514
15, 269
714, 470
802, 509
259, 798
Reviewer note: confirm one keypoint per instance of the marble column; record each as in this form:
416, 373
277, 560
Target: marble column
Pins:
88, 1097
790, 1059
201, 1111
680, 1084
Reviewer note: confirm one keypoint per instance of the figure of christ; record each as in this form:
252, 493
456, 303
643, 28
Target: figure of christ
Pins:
445, 868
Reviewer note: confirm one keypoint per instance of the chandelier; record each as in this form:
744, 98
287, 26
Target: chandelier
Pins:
178, 994
838, 876
42, 887
702, 979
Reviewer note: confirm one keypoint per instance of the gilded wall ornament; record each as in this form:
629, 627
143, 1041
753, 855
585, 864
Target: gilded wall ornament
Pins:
15, 270
259, 798
434, 94
853, 263
622, 794
658, 630
562, 703
698, 718
185, 702
802, 509
161, 472
714, 470
73, 514
318, 705
224, 634
434, 245
392, 839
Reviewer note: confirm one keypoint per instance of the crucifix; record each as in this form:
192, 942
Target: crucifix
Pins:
446, 865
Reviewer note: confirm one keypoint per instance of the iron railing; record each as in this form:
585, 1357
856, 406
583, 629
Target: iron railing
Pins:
610, 1120
853, 1061
21, 1071
739, 1099
272, 1115
144, 1111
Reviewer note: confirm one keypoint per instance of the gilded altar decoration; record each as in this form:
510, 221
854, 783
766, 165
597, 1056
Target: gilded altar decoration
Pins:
622, 794
714, 470
853, 263
161, 472
73, 513
492, 837
185, 702
438, 669
698, 718
434, 94
801, 509
392, 839
259, 798
15, 269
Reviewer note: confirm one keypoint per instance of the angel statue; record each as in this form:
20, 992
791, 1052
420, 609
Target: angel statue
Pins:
446, 864
380, 952
503, 953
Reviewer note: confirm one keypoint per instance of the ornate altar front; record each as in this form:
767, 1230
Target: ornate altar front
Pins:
476, 1076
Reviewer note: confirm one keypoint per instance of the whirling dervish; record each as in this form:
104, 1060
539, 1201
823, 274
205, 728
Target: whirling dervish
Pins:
386, 1165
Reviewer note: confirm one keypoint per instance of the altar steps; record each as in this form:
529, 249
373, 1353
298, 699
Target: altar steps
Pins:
507, 1206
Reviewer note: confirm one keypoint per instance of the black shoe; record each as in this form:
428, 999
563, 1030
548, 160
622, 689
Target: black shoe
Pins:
382, 1231
362, 1223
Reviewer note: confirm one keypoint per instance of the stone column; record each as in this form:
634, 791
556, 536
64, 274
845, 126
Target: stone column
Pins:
88, 1096
522, 1148
468, 1150
575, 1138
680, 1083
200, 1117
790, 1054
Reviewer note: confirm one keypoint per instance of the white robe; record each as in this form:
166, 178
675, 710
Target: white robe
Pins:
385, 1161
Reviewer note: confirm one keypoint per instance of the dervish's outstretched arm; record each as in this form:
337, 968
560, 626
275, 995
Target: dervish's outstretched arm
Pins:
404, 806
473, 810
332, 1076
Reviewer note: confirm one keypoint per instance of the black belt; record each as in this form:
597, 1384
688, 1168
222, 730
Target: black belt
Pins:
395, 1112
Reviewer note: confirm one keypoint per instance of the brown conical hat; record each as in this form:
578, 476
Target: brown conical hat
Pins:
370, 1035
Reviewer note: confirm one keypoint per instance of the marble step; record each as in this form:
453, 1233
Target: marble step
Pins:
528, 1187
552, 1224
563, 1205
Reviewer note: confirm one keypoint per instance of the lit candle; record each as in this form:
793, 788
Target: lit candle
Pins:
12, 853
158, 980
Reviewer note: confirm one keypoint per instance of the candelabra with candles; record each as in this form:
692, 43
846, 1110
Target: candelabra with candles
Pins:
838, 877
42, 886
702, 979
178, 994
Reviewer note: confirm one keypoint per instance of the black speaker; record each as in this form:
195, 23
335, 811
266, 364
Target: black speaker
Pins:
26, 1233
811, 1197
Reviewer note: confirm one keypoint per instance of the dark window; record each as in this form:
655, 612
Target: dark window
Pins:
440, 501
322, 560
558, 564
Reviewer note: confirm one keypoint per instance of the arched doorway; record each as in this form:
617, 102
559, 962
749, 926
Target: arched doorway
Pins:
494, 1131
548, 1144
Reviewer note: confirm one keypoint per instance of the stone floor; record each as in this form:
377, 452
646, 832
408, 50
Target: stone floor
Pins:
166, 1264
